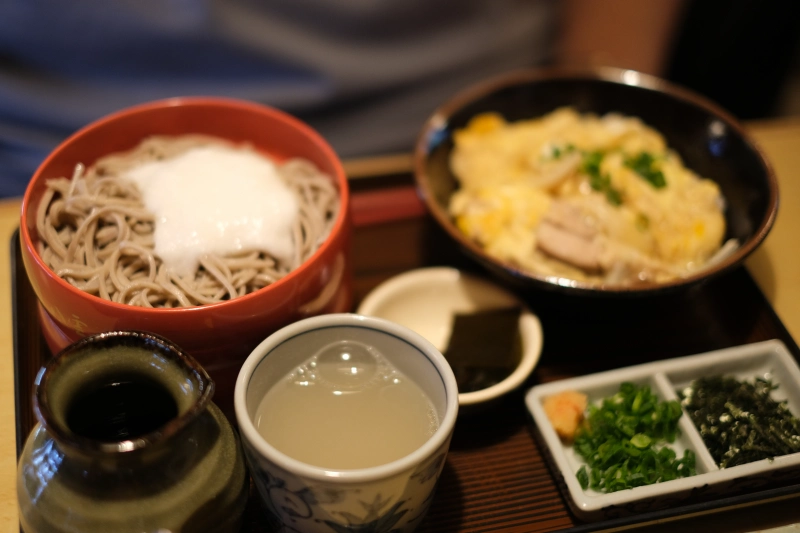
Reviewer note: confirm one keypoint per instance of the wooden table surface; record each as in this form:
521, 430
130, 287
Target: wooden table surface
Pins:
774, 266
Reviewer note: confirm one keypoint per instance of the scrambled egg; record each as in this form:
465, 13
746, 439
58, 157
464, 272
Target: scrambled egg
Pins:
585, 197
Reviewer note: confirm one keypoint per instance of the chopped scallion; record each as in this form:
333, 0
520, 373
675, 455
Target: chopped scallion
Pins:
623, 442
644, 165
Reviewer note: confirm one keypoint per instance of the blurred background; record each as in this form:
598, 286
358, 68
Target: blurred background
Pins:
365, 73
744, 54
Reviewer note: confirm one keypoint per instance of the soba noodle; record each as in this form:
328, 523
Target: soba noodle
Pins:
96, 233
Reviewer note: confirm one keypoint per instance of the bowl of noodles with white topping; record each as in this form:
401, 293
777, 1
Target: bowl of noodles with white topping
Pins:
603, 181
209, 221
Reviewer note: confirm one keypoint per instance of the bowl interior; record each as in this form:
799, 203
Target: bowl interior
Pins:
709, 141
271, 131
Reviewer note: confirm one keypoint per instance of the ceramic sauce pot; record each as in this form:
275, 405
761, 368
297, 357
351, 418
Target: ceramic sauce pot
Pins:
129, 440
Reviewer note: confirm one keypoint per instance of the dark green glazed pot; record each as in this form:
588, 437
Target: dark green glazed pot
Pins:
128, 440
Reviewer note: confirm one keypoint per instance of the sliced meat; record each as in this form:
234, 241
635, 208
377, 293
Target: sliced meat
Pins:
582, 252
570, 218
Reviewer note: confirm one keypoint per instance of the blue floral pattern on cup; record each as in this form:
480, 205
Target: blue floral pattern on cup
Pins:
296, 507
385, 498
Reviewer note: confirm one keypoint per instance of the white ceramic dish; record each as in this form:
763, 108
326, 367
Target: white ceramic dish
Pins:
769, 359
314, 499
425, 300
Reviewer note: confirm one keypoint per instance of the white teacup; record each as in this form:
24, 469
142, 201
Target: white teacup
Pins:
302, 497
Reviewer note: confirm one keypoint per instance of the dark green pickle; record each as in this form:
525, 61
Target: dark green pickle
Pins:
484, 347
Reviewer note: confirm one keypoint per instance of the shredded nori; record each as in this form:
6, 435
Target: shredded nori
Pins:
739, 421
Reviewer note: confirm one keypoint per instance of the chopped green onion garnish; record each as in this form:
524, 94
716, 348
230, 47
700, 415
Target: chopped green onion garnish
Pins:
623, 442
644, 165
598, 181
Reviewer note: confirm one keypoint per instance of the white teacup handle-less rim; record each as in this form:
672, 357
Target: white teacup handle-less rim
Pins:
250, 433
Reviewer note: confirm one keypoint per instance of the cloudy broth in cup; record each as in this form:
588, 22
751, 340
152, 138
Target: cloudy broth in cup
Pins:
346, 407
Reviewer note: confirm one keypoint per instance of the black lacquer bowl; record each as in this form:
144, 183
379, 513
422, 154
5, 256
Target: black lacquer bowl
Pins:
709, 140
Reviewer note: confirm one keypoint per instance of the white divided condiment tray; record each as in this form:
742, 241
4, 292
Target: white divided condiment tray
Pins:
769, 359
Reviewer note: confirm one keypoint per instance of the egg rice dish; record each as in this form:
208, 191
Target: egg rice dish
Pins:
594, 199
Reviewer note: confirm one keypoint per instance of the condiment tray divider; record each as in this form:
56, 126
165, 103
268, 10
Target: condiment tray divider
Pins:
768, 359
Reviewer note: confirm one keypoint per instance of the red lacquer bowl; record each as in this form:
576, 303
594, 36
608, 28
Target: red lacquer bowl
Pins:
219, 336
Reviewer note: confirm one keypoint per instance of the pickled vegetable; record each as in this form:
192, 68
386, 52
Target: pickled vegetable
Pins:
565, 412
484, 347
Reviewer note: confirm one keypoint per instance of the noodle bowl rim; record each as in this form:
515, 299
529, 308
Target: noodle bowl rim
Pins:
36, 186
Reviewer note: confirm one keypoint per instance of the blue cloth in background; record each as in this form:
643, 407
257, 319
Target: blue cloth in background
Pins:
364, 73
